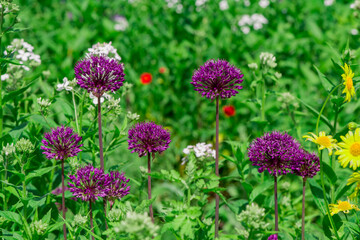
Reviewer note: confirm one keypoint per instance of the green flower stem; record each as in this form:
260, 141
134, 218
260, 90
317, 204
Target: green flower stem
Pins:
217, 199
303, 211
149, 188
325, 198
51, 180
323, 107
24, 190
263, 90
1, 54
75, 112
5, 180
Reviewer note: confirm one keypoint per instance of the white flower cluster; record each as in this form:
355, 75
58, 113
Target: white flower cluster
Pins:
268, 59
132, 116
355, 5
24, 146
79, 220
253, 66
121, 23
264, 3
66, 85
328, 2
252, 218
9, 149
201, 150
176, 4
9, 7
256, 21
44, 103
23, 52
287, 99
38, 227
137, 225
105, 49
223, 5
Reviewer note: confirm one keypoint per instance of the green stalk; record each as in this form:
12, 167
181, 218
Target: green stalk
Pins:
323, 107
263, 99
76, 118
51, 182
325, 198
1, 35
24, 191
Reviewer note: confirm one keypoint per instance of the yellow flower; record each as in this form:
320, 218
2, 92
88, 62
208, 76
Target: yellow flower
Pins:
350, 149
342, 206
349, 89
323, 141
355, 178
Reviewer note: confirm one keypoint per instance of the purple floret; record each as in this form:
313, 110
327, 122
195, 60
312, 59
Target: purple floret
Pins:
147, 137
217, 78
307, 165
99, 74
61, 143
275, 152
118, 187
89, 183
273, 237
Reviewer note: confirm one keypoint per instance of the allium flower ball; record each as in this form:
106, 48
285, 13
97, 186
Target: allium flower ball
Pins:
61, 143
99, 74
275, 152
89, 183
147, 137
118, 186
146, 78
217, 78
307, 165
229, 110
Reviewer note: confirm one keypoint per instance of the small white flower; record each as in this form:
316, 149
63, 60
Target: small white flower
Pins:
264, 3
121, 23
328, 2
64, 86
104, 49
268, 59
354, 32
4, 77
253, 66
245, 29
223, 5
44, 103
102, 98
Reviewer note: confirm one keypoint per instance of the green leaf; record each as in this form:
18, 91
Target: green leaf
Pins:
11, 216
47, 217
331, 175
15, 93
316, 113
341, 190
327, 84
38, 173
259, 190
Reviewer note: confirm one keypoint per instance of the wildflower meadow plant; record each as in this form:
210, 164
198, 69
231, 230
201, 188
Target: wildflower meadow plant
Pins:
276, 153
60, 144
214, 80
147, 138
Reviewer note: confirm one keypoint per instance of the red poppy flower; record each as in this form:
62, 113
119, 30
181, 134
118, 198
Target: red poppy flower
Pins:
229, 110
146, 78
162, 70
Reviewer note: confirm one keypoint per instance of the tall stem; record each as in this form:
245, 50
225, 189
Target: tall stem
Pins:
75, 113
51, 181
263, 96
217, 169
63, 196
1, 34
303, 212
323, 107
276, 206
100, 136
149, 188
325, 198
91, 220
24, 191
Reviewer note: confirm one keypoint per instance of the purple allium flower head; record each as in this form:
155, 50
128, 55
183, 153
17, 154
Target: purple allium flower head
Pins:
118, 186
99, 74
275, 152
217, 78
89, 183
273, 237
147, 137
61, 143
307, 165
